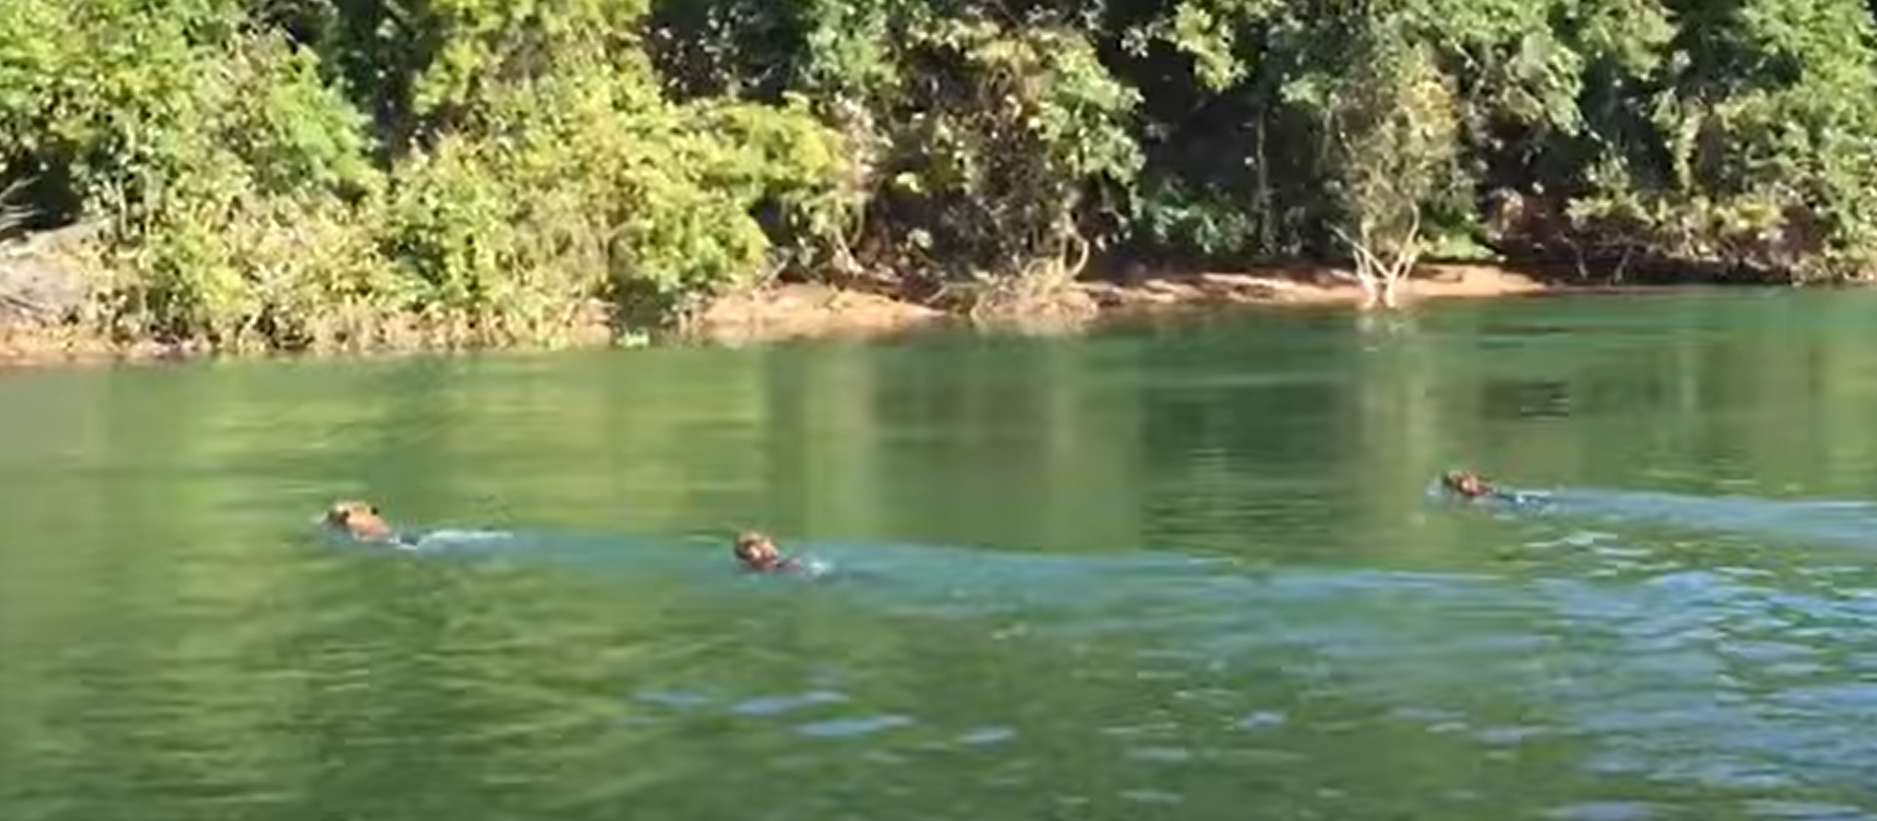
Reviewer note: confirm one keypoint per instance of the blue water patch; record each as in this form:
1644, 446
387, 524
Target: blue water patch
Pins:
1850, 522
846, 727
986, 736
1669, 676
773, 705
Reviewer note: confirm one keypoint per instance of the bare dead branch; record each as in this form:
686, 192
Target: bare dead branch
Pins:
11, 215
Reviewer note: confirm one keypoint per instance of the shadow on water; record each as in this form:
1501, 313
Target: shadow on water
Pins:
1684, 674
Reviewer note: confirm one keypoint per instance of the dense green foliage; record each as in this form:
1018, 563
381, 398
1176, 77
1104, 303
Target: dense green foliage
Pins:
332, 172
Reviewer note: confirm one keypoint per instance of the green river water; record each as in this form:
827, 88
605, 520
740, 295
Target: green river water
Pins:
1186, 569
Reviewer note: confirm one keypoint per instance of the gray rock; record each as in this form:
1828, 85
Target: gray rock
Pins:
37, 287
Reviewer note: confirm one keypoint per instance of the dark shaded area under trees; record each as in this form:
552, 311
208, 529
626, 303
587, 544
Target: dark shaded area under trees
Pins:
321, 173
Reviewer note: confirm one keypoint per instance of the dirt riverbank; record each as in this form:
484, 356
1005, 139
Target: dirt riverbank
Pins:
815, 311
795, 311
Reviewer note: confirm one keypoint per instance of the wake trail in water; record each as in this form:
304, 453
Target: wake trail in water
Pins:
1691, 674
1849, 522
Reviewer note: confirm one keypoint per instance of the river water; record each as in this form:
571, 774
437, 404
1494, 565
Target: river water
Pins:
1183, 569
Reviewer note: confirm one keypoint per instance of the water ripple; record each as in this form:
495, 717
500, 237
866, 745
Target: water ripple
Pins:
856, 726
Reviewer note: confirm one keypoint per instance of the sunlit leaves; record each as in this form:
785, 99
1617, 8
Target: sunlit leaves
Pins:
489, 165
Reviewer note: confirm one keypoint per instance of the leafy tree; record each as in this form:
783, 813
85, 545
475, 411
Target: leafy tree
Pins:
343, 173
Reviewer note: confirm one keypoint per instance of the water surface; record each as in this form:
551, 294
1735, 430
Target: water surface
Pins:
1180, 569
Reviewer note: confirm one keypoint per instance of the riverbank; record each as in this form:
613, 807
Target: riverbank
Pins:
807, 311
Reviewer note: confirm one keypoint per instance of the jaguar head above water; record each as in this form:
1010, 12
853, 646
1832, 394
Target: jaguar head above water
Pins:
759, 552
1466, 483
358, 519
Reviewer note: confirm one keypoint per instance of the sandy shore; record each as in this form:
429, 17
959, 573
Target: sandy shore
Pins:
796, 311
819, 311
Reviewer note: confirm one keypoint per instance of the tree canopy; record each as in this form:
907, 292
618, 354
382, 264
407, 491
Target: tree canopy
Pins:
322, 172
